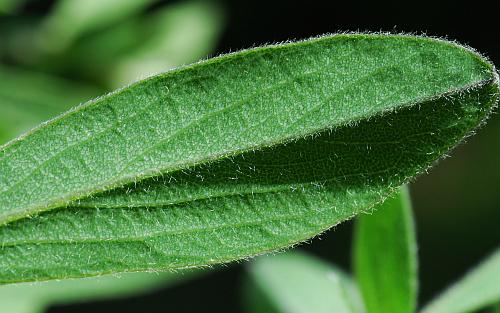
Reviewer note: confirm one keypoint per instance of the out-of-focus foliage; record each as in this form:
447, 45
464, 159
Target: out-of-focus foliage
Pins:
29, 98
106, 43
71, 19
146, 44
109, 49
179, 34
495, 308
9, 6
478, 289
298, 283
36, 297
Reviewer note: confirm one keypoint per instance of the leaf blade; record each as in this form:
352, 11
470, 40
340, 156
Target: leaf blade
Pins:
222, 229
247, 197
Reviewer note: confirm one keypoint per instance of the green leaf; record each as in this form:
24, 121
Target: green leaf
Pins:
235, 156
385, 256
298, 283
480, 288
36, 297
29, 98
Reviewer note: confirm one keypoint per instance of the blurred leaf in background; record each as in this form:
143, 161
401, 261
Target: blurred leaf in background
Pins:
298, 283
131, 44
36, 297
478, 289
9, 6
495, 308
179, 34
71, 19
118, 51
29, 98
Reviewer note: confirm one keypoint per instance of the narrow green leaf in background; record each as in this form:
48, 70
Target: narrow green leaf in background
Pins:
235, 156
298, 283
385, 256
479, 289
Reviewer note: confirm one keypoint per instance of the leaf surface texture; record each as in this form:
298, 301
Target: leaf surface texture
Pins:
235, 156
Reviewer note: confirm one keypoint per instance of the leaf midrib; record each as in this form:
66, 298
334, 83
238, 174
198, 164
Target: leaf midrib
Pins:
271, 190
156, 234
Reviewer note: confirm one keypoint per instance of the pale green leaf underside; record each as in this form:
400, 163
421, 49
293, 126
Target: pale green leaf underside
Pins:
234, 156
479, 289
298, 283
385, 256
